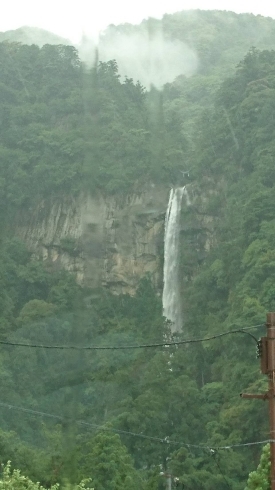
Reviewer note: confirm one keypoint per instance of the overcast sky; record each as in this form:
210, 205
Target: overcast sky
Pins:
72, 18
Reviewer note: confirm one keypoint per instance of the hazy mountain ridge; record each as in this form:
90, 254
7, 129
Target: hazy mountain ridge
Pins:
32, 35
157, 51
216, 37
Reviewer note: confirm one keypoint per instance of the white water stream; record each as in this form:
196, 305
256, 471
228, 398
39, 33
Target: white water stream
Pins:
171, 295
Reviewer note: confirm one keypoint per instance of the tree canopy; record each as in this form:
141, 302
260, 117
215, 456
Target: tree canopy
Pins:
124, 417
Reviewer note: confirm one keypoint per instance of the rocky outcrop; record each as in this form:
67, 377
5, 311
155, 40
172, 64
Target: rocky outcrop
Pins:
106, 241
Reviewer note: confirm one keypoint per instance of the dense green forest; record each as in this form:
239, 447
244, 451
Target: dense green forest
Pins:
121, 417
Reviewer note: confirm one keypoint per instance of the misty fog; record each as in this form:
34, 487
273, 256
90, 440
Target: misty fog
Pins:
150, 58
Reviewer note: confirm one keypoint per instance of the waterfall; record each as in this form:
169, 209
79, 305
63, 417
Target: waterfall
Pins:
171, 295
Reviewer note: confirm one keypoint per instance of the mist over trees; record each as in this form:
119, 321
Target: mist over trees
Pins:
65, 128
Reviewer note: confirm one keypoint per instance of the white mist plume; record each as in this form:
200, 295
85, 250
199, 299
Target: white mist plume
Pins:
151, 59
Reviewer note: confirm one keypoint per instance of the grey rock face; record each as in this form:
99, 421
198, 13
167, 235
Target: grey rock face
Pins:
106, 241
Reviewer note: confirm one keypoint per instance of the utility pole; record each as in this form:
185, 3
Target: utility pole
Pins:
168, 478
266, 347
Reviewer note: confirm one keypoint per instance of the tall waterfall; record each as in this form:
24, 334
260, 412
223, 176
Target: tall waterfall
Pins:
171, 295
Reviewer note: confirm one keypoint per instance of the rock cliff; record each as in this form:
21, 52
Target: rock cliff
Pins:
106, 241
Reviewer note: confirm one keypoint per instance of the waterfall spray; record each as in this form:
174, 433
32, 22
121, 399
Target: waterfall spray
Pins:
171, 294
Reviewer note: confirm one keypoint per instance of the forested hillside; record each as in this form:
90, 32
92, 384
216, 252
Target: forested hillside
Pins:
219, 38
32, 35
121, 417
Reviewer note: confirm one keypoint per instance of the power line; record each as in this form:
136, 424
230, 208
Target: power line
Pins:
243, 444
163, 440
220, 470
139, 346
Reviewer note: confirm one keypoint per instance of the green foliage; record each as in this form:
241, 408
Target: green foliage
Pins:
260, 479
34, 310
110, 464
63, 127
231, 285
29, 291
66, 129
14, 480
69, 244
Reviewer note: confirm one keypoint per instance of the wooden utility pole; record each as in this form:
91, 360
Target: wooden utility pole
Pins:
271, 389
168, 478
266, 348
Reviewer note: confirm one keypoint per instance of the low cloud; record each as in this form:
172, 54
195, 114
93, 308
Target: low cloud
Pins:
151, 59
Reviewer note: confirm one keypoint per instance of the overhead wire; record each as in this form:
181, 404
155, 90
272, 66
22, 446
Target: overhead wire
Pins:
214, 455
162, 440
243, 330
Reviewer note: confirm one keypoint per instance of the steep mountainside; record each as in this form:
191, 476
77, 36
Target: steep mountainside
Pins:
106, 241
86, 163
219, 38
